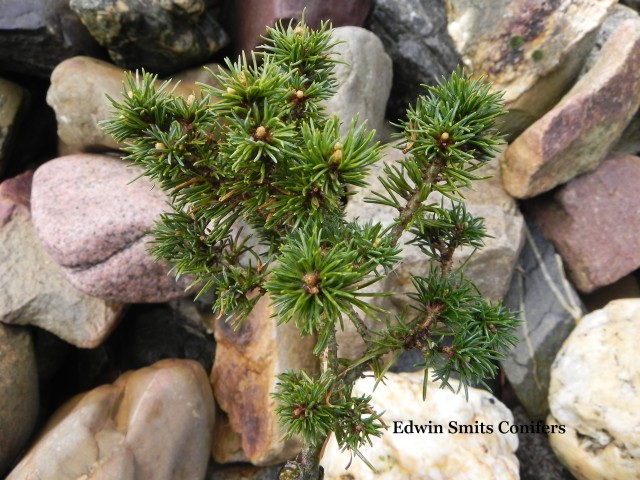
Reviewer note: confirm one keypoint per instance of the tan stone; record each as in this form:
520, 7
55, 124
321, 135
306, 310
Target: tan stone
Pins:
594, 394
78, 95
530, 50
577, 134
18, 392
445, 456
152, 423
243, 378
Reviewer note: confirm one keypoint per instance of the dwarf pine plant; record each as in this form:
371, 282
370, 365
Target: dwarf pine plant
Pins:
259, 152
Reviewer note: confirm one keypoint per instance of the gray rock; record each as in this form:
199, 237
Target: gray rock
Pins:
576, 135
549, 308
33, 291
364, 80
36, 35
92, 217
18, 392
13, 100
593, 222
161, 36
414, 34
531, 51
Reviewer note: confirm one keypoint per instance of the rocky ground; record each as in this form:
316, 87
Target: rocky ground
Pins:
109, 368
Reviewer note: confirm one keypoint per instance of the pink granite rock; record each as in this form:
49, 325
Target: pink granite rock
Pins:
93, 218
593, 221
153, 423
576, 135
33, 290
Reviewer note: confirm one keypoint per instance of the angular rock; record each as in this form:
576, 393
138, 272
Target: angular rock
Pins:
593, 222
243, 378
18, 392
151, 423
532, 51
364, 80
157, 35
33, 290
577, 134
92, 217
593, 392
250, 18
446, 455
549, 308
12, 103
78, 95
414, 34
36, 35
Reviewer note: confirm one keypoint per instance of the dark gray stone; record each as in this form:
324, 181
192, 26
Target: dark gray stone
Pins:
414, 34
161, 36
36, 35
549, 308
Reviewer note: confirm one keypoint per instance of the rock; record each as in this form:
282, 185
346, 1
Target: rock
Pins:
151, 423
12, 104
242, 472
364, 80
33, 291
577, 134
92, 217
549, 308
18, 392
593, 392
446, 455
78, 94
531, 52
158, 35
626, 287
249, 18
36, 35
243, 378
414, 34
592, 221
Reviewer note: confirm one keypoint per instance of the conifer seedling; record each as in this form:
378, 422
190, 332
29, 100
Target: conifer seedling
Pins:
259, 152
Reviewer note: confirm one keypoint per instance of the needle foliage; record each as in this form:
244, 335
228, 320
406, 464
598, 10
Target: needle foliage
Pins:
259, 175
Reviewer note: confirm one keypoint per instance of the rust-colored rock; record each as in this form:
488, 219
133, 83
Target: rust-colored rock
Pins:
577, 134
593, 222
243, 378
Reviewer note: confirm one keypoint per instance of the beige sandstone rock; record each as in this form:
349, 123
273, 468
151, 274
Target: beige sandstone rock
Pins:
243, 378
455, 456
594, 393
153, 423
577, 134
77, 94
18, 392
531, 50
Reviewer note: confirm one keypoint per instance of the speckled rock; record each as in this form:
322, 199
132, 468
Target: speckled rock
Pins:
151, 423
414, 34
18, 392
576, 135
78, 95
593, 222
593, 392
33, 290
161, 36
36, 35
92, 217
12, 102
364, 80
530, 50
446, 455
243, 378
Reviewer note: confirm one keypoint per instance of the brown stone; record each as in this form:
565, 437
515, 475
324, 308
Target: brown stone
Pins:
152, 423
577, 134
243, 378
593, 222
